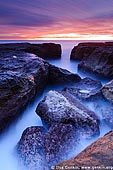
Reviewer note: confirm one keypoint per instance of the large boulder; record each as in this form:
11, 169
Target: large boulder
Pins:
98, 155
59, 142
107, 91
45, 50
83, 50
38, 149
61, 76
86, 89
95, 57
22, 76
60, 107
30, 149
89, 93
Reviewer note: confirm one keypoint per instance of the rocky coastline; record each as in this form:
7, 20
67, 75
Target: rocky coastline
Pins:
66, 114
94, 57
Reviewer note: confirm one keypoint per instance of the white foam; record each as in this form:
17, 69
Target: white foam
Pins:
84, 91
14, 56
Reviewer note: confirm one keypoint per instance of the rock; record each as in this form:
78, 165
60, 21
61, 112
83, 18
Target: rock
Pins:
107, 91
83, 50
99, 62
38, 149
22, 76
86, 89
95, 57
60, 107
107, 112
45, 50
59, 142
98, 154
61, 76
30, 149
88, 92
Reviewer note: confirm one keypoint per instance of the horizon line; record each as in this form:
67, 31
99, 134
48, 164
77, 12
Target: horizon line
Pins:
56, 39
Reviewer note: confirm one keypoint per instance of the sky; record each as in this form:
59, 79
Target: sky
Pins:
56, 19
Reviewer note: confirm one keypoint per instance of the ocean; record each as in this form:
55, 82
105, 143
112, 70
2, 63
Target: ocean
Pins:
10, 138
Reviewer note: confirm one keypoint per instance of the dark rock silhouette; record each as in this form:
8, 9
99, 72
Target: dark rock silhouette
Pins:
83, 50
45, 50
61, 76
95, 57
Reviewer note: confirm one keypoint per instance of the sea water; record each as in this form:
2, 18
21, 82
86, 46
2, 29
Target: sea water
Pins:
11, 136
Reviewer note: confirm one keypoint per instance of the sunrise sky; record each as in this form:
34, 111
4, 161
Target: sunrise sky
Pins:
56, 19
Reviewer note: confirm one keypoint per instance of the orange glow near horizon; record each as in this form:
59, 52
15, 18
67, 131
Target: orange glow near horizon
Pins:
73, 36
70, 36
55, 33
83, 31
62, 36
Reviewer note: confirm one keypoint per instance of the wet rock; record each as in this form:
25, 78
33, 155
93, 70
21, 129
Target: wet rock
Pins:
83, 50
95, 57
107, 91
30, 149
98, 154
22, 76
61, 76
59, 142
107, 112
60, 107
45, 50
96, 103
99, 62
86, 89
88, 92
38, 149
